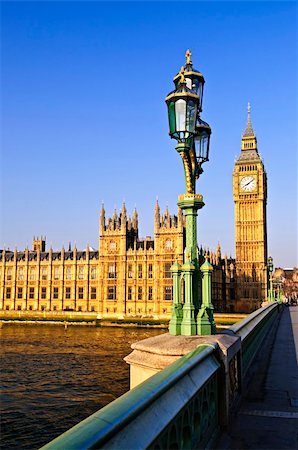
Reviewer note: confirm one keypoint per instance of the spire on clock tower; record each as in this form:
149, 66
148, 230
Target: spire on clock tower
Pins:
249, 140
248, 132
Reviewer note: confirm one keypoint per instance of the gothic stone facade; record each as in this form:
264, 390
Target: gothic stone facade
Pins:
128, 276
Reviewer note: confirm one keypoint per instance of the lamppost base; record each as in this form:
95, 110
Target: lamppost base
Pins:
188, 328
175, 322
205, 322
188, 324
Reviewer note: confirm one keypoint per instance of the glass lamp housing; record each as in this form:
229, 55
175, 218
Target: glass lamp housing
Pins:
182, 110
194, 80
202, 141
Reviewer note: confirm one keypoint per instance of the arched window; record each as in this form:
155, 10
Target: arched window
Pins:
93, 273
169, 244
81, 273
167, 270
68, 273
56, 273
21, 273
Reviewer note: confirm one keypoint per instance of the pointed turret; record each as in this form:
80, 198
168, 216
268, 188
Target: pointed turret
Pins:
218, 253
123, 216
113, 225
135, 219
123, 210
102, 219
167, 217
156, 215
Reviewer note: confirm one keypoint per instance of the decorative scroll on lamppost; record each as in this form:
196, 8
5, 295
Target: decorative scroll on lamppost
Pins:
193, 137
271, 297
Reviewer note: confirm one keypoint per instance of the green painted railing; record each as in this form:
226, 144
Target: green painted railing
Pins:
176, 408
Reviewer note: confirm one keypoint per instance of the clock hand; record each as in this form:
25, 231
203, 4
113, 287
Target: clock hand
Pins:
250, 181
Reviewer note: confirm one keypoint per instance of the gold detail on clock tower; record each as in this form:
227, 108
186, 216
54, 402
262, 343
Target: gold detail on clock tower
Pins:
250, 198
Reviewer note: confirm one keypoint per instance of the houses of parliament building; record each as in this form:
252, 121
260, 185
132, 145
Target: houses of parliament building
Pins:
131, 277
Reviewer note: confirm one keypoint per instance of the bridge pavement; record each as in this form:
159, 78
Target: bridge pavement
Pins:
268, 415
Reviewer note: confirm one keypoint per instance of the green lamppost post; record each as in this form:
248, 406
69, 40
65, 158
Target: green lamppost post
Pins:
271, 297
193, 137
279, 290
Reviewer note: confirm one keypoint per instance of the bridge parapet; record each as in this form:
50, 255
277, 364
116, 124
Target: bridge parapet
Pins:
157, 413
252, 330
185, 404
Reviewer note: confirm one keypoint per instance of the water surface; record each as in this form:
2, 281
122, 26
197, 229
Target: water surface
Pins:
52, 378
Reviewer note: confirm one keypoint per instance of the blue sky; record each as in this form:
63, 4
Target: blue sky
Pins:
84, 118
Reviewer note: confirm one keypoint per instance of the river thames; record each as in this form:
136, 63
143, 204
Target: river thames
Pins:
52, 378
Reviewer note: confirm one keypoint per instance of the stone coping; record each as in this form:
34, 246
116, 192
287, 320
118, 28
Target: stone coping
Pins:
159, 351
166, 344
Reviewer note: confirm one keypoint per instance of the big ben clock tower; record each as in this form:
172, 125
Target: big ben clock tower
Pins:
250, 198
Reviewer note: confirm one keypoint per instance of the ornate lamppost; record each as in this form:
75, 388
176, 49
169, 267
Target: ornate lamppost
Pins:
277, 290
271, 296
281, 291
189, 317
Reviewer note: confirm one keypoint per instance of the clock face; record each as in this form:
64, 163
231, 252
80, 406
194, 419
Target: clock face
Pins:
248, 183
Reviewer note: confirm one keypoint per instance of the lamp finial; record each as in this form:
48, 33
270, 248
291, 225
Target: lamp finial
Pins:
188, 54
